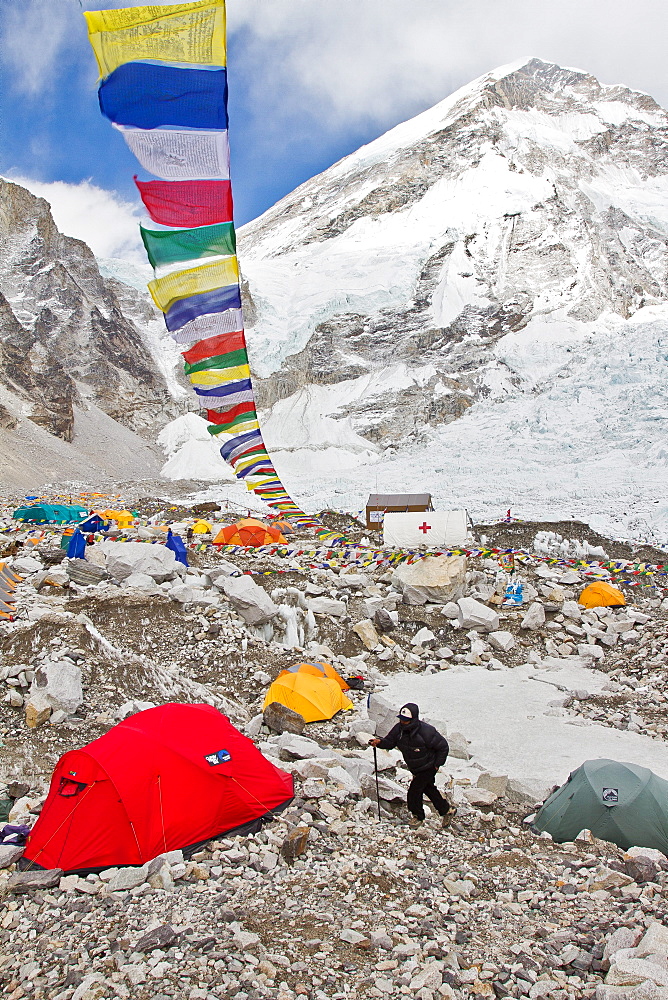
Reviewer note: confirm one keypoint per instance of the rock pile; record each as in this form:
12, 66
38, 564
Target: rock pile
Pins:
326, 902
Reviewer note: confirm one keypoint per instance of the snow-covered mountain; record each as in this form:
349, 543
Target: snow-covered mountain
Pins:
487, 281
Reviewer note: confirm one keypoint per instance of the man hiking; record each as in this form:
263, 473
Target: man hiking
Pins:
424, 751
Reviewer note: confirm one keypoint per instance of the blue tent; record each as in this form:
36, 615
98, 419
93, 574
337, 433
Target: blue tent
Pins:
175, 543
77, 547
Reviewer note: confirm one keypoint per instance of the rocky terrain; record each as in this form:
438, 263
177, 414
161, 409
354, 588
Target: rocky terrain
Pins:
77, 358
329, 901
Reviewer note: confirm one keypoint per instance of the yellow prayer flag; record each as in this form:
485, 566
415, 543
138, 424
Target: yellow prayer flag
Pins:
251, 460
177, 33
250, 425
264, 481
180, 284
220, 376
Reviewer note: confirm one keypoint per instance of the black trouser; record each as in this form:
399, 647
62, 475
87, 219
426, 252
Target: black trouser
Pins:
423, 784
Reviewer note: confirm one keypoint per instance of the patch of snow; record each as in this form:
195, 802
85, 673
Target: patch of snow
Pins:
192, 453
528, 745
127, 271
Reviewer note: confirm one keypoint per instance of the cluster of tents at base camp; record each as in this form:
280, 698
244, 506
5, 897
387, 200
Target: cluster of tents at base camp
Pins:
312, 690
247, 532
120, 800
62, 513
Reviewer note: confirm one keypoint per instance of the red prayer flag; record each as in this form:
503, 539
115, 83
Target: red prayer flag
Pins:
187, 203
214, 417
224, 343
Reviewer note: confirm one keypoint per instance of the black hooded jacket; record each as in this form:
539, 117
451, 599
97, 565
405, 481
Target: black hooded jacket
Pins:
422, 746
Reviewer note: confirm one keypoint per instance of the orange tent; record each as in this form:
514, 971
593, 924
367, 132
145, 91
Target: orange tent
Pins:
284, 526
318, 669
249, 532
601, 595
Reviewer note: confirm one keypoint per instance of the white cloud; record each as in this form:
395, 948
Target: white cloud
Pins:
376, 60
33, 37
100, 218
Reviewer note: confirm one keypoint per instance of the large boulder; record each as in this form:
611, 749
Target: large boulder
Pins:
252, 602
282, 719
9, 854
327, 606
439, 579
29, 880
56, 687
476, 615
142, 581
125, 558
503, 641
299, 746
389, 790
366, 631
185, 594
382, 714
534, 617
85, 573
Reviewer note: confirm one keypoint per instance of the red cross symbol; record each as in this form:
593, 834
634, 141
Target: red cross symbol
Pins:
424, 527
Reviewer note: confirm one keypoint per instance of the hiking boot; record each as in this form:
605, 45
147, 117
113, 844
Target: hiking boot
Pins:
448, 817
415, 823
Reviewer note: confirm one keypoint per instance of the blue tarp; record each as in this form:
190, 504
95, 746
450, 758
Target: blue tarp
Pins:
93, 523
77, 547
146, 95
175, 543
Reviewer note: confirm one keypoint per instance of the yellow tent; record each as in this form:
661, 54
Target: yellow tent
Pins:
601, 595
123, 518
202, 528
314, 698
318, 669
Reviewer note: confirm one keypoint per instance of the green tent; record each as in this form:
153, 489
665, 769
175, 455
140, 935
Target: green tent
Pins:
58, 513
623, 803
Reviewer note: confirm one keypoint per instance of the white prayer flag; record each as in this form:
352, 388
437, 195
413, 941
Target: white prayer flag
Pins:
209, 325
175, 155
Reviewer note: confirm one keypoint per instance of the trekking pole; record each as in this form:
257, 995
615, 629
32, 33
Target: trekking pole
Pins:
375, 767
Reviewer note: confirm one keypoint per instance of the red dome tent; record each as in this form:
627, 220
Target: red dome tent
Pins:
168, 778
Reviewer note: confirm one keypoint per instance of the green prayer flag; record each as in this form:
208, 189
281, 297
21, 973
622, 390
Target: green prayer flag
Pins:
174, 245
230, 360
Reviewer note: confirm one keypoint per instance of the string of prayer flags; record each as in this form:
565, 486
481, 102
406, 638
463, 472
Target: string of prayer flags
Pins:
164, 88
176, 33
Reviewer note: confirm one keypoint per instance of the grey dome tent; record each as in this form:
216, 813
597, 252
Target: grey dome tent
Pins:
622, 803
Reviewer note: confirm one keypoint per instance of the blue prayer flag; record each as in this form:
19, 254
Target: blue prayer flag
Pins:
218, 300
148, 95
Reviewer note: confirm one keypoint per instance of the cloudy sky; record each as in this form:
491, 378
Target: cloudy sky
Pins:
310, 81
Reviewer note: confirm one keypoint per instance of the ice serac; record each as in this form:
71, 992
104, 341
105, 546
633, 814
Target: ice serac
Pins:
468, 256
77, 359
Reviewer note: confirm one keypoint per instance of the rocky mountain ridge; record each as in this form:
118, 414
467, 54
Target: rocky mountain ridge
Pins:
73, 345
